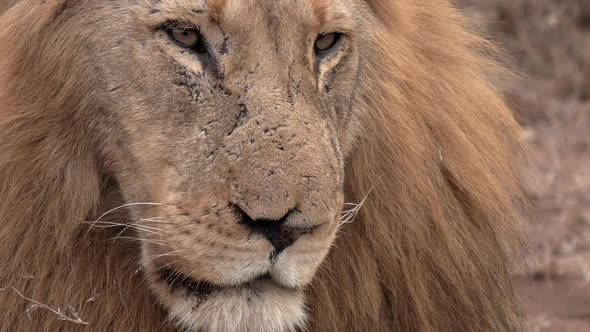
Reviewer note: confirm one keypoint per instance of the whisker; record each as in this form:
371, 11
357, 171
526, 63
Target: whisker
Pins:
110, 224
166, 265
144, 279
151, 220
126, 228
138, 239
142, 228
346, 213
154, 219
185, 276
118, 208
180, 272
171, 253
350, 215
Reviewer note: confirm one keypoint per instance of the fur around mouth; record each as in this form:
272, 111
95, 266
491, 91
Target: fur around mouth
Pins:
177, 280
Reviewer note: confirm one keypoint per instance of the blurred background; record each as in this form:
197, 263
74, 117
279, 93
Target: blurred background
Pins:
548, 42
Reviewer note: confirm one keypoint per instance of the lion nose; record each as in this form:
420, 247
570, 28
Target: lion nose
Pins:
276, 232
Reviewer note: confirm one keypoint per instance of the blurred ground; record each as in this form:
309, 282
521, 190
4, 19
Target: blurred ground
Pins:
549, 45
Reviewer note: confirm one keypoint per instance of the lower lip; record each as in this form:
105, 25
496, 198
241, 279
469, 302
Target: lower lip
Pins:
177, 280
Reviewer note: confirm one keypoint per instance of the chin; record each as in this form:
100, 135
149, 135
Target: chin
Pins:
257, 306
261, 304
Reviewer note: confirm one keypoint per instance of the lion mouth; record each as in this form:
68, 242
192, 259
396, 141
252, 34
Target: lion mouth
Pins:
179, 281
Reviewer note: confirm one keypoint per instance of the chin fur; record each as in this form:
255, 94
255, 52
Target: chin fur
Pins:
262, 307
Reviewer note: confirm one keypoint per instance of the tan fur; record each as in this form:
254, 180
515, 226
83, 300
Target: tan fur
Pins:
98, 109
215, 8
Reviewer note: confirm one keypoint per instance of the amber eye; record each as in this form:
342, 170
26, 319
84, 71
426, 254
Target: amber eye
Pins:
189, 38
326, 43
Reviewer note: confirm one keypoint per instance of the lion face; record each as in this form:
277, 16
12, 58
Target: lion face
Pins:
226, 127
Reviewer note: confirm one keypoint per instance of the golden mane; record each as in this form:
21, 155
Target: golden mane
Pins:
439, 154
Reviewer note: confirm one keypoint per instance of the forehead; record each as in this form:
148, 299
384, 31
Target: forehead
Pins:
311, 12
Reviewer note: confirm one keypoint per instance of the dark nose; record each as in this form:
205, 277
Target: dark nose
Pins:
280, 235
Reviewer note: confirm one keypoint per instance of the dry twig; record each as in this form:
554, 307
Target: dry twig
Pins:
69, 314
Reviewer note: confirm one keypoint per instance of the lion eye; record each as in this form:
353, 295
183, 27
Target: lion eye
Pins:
325, 43
189, 38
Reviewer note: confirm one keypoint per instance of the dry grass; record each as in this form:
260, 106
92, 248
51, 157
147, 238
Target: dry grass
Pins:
69, 314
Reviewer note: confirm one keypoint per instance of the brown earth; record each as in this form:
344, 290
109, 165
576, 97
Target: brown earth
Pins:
548, 43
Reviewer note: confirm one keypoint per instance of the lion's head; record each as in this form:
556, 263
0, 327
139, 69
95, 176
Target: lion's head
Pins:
234, 117
223, 139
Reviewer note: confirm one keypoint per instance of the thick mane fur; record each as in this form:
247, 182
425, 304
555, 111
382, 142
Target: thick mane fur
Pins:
430, 250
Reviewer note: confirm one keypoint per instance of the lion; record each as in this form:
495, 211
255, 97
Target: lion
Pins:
252, 165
